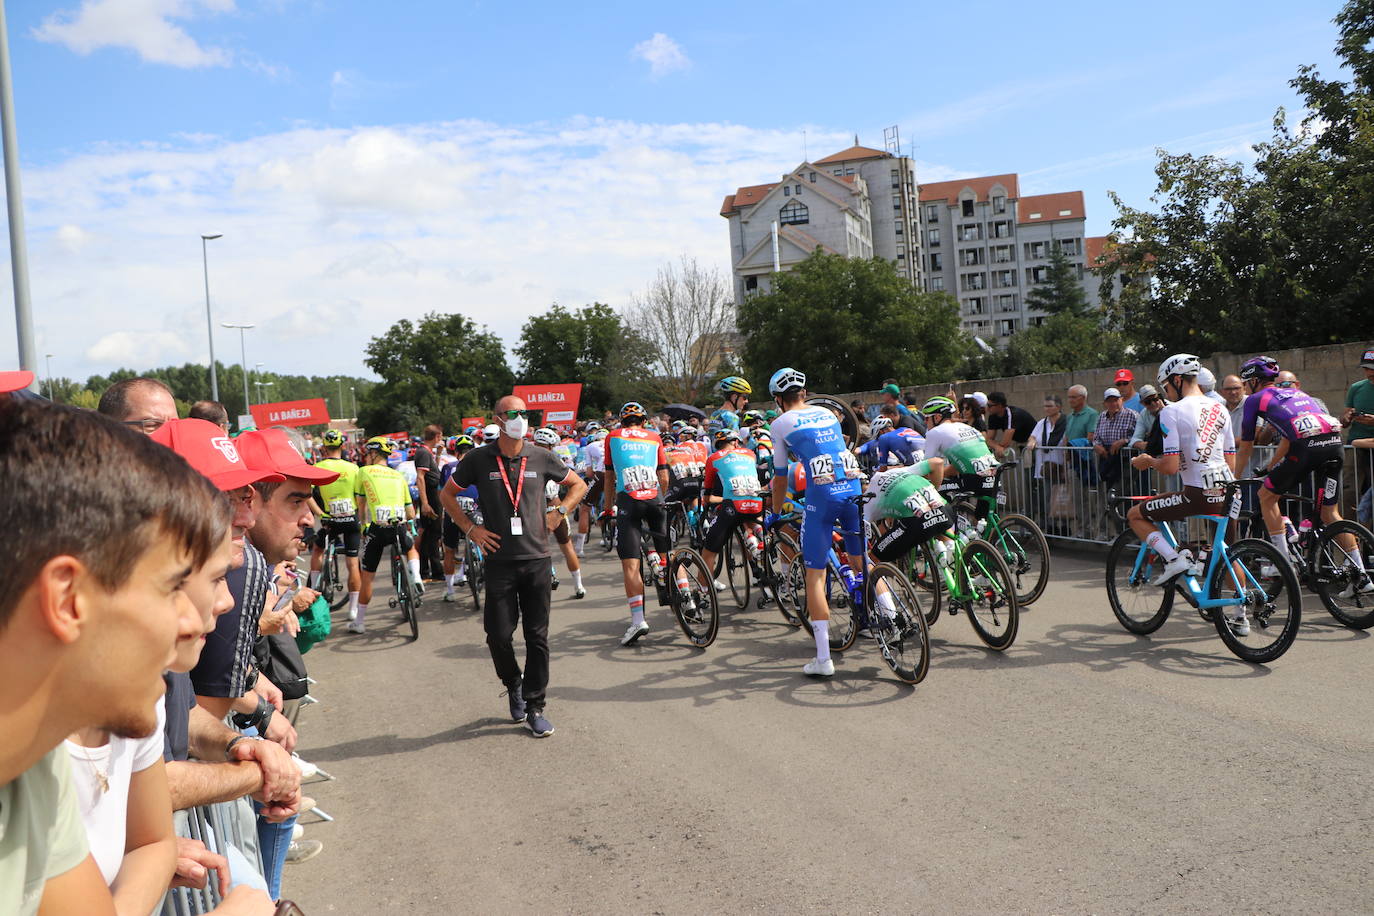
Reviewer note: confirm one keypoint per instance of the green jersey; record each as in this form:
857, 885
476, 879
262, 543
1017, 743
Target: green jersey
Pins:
962, 446
387, 493
903, 492
338, 499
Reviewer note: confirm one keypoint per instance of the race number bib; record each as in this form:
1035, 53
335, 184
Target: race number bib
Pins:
681, 471
984, 465
387, 513
821, 469
917, 503
1309, 425
341, 508
850, 464
1215, 477
638, 477
744, 485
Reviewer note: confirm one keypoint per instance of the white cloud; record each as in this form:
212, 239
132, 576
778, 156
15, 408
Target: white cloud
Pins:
145, 27
662, 54
142, 349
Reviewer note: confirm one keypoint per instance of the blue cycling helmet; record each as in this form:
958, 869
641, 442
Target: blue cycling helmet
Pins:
785, 380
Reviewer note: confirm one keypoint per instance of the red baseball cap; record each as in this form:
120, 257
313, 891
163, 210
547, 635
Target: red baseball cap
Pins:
271, 449
207, 449
15, 379
1124, 375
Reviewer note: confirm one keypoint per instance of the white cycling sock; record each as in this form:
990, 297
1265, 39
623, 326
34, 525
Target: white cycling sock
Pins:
886, 604
579, 541
1355, 558
1280, 541
821, 630
448, 582
577, 578
636, 609
358, 618
352, 603
415, 569
315, 579
1160, 545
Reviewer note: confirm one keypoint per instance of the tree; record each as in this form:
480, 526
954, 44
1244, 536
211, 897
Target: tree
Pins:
1063, 343
437, 371
686, 320
849, 323
1061, 293
592, 346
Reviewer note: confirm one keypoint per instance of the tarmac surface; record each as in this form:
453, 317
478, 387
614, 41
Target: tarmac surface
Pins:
1084, 770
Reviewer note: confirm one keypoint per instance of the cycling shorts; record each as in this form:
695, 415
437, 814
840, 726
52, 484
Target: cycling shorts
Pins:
1190, 501
684, 491
1321, 457
727, 519
349, 531
818, 525
379, 538
630, 514
452, 535
907, 534
595, 488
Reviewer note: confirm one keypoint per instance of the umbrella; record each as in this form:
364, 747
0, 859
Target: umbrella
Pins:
684, 412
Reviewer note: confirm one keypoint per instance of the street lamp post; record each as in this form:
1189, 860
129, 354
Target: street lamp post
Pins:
48, 359
340, 405
261, 385
243, 356
14, 202
355, 403
209, 322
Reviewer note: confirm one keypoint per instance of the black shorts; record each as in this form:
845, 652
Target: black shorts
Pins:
379, 538
349, 531
1190, 501
630, 513
906, 534
452, 535
728, 518
1320, 457
684, 491
595, 488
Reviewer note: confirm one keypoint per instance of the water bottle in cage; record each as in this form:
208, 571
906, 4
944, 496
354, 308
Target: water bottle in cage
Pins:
967, 530
1290, 532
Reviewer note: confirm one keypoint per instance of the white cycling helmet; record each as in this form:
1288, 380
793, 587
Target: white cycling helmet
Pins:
785, 379
491, 432
881, 425
546, 436
1178, 364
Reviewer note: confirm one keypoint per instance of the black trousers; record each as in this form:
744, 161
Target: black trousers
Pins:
520, 592
431, 546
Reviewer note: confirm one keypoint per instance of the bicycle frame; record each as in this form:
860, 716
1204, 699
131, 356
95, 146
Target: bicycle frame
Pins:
1195, 593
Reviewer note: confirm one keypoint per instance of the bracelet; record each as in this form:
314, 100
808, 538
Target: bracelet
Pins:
229, 748
258, 718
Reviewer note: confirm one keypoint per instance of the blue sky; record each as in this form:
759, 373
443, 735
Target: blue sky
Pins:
368, 162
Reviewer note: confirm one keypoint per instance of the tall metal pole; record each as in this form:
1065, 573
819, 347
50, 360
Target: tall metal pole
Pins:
354, 392
210, 322
48, 360
243, 358
14, 199
340, 405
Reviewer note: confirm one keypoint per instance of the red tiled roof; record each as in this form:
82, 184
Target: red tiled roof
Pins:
1046, 208
1094, 246
981, 187
745, 197
853, 154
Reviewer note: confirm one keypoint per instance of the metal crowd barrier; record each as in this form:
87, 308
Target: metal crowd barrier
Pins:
218, 826
1063, 489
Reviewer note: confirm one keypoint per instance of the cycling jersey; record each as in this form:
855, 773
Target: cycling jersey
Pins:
337, 498
596, 456
1198, 430
899, 446
962, 446
814, 436
733, 473
1292, 412
728, 419
635, 455
902, 492
386, 492
682, 464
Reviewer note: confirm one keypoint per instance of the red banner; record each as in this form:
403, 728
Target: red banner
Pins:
312, 412
557, 402
474, 421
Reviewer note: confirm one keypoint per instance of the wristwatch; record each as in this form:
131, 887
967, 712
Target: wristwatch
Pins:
560, 510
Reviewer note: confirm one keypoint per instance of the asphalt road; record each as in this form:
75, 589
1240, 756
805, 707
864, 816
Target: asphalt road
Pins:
1085, 770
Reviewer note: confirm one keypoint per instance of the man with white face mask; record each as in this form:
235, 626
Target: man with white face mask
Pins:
510, 476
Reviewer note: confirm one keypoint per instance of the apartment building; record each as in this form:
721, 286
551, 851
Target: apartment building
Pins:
860, 202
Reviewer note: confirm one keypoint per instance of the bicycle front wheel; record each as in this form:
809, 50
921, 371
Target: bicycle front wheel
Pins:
1027, 553
1336, 580
476, 572
992, 606
692, 596
336, 568
1139, 606
787, 580
1264, 624
898, 624
735, 560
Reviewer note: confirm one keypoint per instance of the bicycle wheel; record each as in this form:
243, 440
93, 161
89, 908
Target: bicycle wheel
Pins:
899, 627
1332, 573
844, 625
677, 524
409, 610
921, 571
1140, 607
692, 596
992, 608
473, 563
789, 582
1269, 597
735, 563
1027, 553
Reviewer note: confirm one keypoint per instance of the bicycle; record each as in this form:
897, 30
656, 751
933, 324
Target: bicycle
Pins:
404, 597
977, 580
1018, 538
901, 632
1322, 565
333, 578
781, 549
685, 586
474, 560
1249, 575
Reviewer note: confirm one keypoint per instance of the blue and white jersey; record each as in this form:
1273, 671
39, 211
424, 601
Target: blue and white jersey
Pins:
813, 434
899, 446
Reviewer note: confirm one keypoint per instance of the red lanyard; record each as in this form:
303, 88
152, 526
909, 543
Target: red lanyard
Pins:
519, 483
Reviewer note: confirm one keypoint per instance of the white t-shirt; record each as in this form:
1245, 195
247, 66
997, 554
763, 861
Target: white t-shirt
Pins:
106, 814
1045, 454
1198, 430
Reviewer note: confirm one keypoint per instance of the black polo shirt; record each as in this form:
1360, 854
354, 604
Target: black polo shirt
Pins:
479, 468
1019, 421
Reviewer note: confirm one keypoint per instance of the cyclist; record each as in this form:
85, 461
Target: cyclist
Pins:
814, 435
547, 438
1311, 447
384, 504
895, 446
684, 474
966, 453
907, 510
455, 563
591, 464
340, 516
734, 392
1199, 446
636, 478
731, 484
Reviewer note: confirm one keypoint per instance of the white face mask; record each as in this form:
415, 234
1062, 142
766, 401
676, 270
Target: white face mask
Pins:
517, 427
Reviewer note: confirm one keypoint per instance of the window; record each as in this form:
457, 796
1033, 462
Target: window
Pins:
1069, 246
971, 256
839, 171
786, 192
970, 232
999, 204
1036, 275
1065, 212
751, 283
1001, 229
1036, 251
896, 203
974, 306
797, 189
1034, 216
968, 207
896, 179
937, 261
1001, 254
901, 255
1035, 321
811, 176
932, 213
937, 283
973, 281
794, 214
1006, 302
849, 171
1003, 278
897, 229
1006, 327
934, 237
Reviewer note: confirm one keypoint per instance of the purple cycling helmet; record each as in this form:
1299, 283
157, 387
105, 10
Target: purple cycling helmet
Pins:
1259, 367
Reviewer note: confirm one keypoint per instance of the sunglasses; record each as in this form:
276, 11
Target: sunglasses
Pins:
149, 425
512, 414
1285, 384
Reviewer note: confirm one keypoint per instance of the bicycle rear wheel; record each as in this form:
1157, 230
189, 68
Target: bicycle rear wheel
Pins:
788, 581
692, 596
1332, 574
992, 608
476, 570
735, 563
1270, 599
844, 625
335, 571
1140, 607
1027, 553
899, 627
921, 571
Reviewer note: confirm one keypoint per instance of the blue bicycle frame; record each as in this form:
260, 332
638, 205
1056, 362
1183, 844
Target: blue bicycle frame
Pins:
1193, 592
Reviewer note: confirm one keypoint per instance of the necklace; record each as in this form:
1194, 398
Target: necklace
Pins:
102, 779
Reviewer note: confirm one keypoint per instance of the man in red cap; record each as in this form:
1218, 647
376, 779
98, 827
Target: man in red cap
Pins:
1125, 383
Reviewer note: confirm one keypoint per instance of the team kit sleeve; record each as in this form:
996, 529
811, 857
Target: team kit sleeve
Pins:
1249, 414
782, 428
1168, 422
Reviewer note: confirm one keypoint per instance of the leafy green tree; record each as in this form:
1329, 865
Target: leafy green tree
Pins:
436, 371
1063, 343
849, 323
1061, 293
591, 345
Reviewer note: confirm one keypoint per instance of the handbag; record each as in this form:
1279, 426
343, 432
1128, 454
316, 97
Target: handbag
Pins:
315, 624
1061, 501
281, 661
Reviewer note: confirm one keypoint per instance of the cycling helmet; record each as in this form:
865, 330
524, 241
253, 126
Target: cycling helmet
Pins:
755, 415
491, 432
332, 438
381, 445
679, 425
600, 434
463, 442
938, 404
591, 427
633, 410
545, 436
1260, 367
472, 430
723, 436
1178, 364
881, 425
733, 384
785, 380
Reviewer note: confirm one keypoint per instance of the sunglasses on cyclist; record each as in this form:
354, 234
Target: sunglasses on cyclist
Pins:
512, 414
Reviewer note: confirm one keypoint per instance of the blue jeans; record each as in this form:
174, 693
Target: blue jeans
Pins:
274, 840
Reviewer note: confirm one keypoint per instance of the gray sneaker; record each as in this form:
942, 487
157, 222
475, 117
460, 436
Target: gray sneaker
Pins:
301, 850
517, 703
539, 726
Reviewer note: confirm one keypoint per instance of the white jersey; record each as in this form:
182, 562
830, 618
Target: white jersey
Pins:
596, 456
1198, 430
